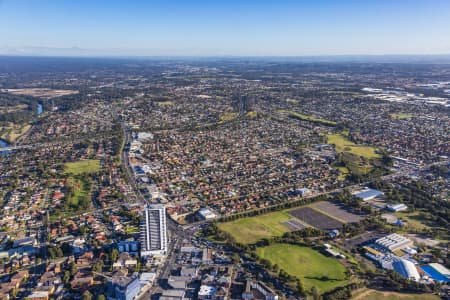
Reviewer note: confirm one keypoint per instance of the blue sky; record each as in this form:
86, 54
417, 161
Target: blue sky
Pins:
232, 27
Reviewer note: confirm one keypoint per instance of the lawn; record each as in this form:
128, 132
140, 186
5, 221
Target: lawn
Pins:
343, 144
251, 114
378, 295
312, 267
131, 230
250, 230
344, 172
82, 166
401, 116
228, 116
413, 220
81, 192
164, 103
308, 117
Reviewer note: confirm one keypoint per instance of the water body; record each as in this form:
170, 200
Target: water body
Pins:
39, 109
3, 144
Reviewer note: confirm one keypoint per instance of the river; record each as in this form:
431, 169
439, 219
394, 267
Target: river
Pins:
3, 144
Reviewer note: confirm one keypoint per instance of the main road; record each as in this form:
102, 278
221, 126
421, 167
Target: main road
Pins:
175, 232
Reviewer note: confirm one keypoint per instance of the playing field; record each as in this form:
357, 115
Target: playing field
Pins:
401, 116
228, 116
82, 166
378, 295
164, 103
250, 230
251, 114
345, 145
310, 118
80, 192
312, 267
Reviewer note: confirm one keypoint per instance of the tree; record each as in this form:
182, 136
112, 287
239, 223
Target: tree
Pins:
315, 293
59, 252
73, 268
98, 267
235, 257
14, 292
138, 267
87, 296
66, 277
275, 268
114, 255
300, 288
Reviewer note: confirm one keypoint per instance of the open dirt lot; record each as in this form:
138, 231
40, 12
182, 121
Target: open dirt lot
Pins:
40, 92
294, 225
338, 212
315, 218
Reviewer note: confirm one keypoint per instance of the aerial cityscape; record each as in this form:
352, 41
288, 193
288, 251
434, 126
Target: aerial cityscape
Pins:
221, 175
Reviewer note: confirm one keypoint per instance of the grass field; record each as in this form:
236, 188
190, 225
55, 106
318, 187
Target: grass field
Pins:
344, 172
228, 116
377, 295
250, 230
81, 191
313, 268
164, 103
82, 166
413, 220
131, 229
13, 131
251, 114
401, 116
343, 144
308, 117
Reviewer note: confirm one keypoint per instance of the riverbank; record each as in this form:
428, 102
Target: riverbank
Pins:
12, 132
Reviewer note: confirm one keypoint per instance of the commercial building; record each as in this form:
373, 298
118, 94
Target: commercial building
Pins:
128, 246
397, 207
258, 290
205, 214
123, 288
206, 292
303, 192
406, 269
173, 294
368, 194
437, 272
154, 231
393, 242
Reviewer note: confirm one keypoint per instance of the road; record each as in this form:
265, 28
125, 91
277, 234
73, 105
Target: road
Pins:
175, 232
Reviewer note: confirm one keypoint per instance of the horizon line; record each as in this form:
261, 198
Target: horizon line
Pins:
37, 55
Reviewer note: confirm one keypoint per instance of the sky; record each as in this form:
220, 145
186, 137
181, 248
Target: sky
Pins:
224, 28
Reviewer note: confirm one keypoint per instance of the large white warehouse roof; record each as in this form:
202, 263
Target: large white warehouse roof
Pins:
406, 269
